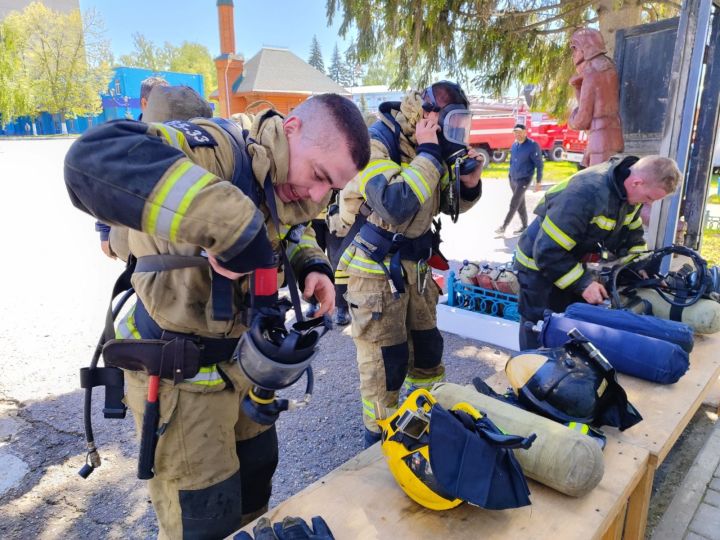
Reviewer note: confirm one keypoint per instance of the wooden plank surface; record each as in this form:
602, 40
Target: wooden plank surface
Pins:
360, 500
666, 408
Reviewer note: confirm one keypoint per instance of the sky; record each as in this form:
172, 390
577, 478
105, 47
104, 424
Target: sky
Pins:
276, 23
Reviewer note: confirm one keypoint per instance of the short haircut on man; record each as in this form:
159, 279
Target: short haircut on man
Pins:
346, 118
148, 84
661, 170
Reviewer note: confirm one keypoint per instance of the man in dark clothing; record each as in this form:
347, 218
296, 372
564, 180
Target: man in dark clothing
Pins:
588, 217
525, 160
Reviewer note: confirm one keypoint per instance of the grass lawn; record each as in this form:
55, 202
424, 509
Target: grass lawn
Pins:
553, 171
710, 249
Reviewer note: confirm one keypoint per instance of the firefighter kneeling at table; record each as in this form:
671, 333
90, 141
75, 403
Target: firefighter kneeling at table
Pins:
586, 218
419, 166
208, 201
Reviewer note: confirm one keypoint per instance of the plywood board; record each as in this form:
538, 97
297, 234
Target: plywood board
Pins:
360, 500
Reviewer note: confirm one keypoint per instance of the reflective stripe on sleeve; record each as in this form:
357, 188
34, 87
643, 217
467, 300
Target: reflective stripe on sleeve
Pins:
635, 224
526, 261
571, 277
554, 232
417, 183
373, 169
603, 222
174, 198
171, 135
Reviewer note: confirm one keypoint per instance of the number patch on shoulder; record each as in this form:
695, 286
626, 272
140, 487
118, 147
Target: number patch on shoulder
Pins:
194, 134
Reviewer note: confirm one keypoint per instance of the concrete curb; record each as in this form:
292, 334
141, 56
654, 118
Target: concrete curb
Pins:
689, 494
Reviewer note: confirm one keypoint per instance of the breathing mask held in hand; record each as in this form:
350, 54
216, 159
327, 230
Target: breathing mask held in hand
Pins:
454, 120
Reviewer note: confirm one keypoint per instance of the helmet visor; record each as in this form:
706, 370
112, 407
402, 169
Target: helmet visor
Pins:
456, 124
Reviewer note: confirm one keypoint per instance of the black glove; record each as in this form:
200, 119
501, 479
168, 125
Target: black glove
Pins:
291, 528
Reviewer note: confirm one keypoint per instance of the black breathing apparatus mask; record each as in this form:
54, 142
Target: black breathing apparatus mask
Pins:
454, 120
454, 136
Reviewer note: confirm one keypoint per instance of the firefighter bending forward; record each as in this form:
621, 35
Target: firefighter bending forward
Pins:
588, 217
171, 185
391, 294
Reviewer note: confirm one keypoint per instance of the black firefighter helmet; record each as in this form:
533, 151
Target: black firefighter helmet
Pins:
573, 383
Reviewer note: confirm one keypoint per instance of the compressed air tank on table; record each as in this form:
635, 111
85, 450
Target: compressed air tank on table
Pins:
644, 357
647, 325
563, 459
703, 316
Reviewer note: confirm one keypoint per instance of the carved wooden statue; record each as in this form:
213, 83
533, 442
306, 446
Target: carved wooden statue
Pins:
598, 97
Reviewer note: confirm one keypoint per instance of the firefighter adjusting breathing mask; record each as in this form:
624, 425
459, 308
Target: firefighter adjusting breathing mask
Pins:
454, 120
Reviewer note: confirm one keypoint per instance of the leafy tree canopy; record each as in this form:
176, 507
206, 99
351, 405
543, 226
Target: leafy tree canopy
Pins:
491, 43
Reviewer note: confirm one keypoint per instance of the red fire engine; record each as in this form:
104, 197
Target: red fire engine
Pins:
491, 130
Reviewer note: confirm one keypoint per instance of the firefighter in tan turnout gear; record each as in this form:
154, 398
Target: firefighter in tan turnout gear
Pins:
199, 189
419, 166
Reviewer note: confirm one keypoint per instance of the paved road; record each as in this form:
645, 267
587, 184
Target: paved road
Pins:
54, 288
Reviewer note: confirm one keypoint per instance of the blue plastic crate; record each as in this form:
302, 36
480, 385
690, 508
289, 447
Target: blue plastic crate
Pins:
474, 298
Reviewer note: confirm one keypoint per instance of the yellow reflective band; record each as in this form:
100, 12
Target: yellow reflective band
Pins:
631, 215
526, 261
414, 175
206, 376
582, 428
163, 193
284, 229
604, 223
373, 169
571, 277
414, 187
185, 203
126, 327
638, 249
172, 135
445, 181
368, 409
423, 383
554, 232
635, 224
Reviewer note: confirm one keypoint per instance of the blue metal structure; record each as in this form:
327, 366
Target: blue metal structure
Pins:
122, 100
473, 298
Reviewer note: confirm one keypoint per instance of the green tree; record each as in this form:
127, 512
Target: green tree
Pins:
501, 42
147, 55
189, 57
338, 70
16, 97
316, 59
67, 60
195, 58
354, 67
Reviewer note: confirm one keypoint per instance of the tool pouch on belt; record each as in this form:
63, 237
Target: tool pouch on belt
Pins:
175, 360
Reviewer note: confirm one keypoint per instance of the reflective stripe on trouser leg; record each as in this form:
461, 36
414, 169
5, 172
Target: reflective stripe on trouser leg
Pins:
426, 343
378, 329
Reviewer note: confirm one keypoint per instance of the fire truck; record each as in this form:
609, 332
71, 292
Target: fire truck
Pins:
491, 130
573, 145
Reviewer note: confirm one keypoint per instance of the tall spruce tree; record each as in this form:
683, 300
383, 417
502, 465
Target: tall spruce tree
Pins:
502, 42
316, 59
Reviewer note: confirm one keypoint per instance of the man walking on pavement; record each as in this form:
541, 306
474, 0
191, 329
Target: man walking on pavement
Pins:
525, 160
